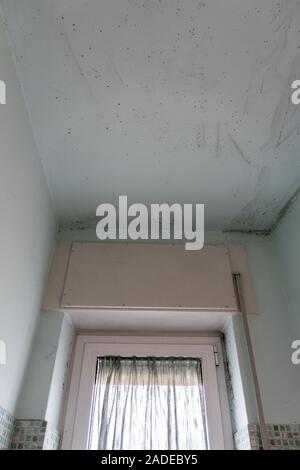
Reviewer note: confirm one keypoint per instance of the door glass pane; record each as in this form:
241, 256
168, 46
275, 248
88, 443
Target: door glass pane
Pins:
148, 403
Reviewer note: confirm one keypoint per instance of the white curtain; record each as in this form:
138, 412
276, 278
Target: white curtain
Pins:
148, 404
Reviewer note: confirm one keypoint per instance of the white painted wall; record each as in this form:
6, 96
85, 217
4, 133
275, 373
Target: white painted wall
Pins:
26, 235
45, 383
26, 232
272, 335
33, 399
271, 331
58, 386
242, 409
286, 241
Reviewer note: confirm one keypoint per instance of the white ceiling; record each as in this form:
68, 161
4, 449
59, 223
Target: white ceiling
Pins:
163, 100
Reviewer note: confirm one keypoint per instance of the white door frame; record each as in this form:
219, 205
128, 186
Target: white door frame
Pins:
88, 348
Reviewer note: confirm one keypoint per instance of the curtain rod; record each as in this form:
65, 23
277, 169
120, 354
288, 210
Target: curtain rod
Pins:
261, 417
155, 358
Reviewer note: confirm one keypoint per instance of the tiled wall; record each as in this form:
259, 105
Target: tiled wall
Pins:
39, 435
281, 436
30, 434
6, 428
26, 434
